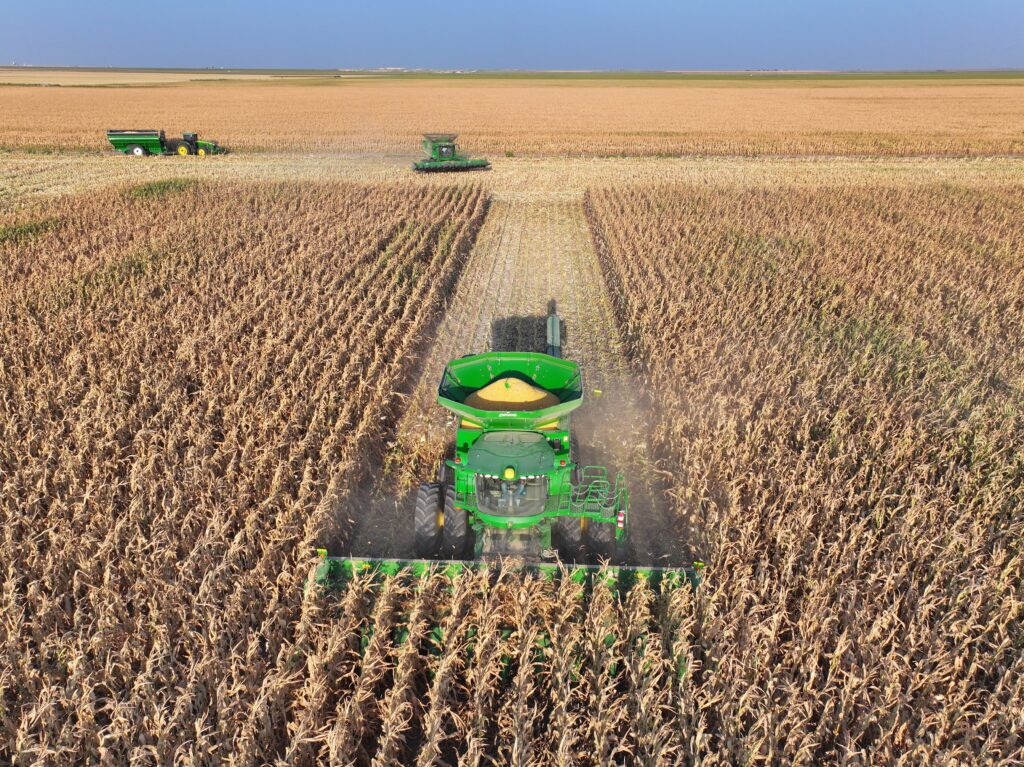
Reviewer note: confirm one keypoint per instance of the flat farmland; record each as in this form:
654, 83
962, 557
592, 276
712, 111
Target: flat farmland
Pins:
810, 367
543, 116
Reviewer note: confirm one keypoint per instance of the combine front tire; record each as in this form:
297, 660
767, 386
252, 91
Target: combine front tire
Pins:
427, 522
456, 528
569, 538
601, 539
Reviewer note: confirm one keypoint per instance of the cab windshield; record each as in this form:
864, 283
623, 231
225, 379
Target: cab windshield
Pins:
516, 497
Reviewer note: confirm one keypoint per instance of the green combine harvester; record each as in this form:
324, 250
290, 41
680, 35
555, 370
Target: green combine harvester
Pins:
443, 155
140, 143
515, 493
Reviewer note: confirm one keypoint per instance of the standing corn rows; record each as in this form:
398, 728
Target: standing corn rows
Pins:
839, 374
192, 379
515, 670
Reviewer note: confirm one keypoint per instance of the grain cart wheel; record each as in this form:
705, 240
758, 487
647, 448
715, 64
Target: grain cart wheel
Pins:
601, 539
569, 538
456, 528
136, 151
427, 520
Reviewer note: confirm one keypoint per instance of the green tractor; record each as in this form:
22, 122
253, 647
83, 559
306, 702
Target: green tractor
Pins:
443, 155
140, 143
514, 491
515, 485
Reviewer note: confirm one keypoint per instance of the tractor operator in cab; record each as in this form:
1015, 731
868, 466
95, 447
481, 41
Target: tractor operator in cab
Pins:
512, 496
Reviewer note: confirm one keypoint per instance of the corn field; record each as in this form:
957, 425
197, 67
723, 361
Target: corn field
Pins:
198, 377
639, 116
192, 376
839, 373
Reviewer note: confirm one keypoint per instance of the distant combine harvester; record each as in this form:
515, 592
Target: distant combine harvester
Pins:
443, 155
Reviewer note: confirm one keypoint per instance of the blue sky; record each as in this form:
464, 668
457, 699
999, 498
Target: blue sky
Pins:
530, 34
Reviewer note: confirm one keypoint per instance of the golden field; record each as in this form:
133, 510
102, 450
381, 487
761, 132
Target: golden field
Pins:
588, 117
811, 370
841, 381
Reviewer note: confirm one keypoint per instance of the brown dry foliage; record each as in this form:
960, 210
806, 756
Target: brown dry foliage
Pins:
543, 117
195, 378
840, 377
190, 379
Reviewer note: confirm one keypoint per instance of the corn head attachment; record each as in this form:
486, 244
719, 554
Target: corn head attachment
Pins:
335, 572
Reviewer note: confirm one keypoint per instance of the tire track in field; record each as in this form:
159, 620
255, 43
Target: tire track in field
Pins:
532, 248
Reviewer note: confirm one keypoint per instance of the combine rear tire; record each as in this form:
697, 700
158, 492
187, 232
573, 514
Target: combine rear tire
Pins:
427, 521
569, 538
456, 528
601, 539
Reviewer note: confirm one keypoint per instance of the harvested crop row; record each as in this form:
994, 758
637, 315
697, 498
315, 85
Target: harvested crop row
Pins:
192, 376
841, 374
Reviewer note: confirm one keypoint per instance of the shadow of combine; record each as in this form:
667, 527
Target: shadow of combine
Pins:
523, 333
519, 334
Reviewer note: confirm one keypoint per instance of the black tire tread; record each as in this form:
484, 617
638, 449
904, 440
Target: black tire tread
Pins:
569, 538
455, 535
601, 540
426, 534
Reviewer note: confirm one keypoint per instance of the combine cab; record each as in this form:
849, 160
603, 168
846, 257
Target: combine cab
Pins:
140, 143
514, 490
443, 155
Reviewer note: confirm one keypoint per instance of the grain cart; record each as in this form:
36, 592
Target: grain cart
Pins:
140, 143
514, 488
443, 155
